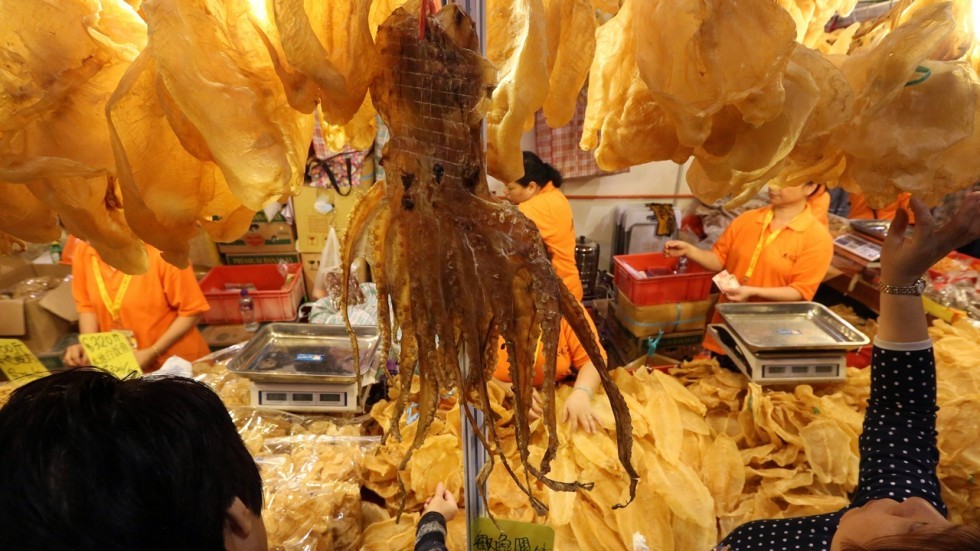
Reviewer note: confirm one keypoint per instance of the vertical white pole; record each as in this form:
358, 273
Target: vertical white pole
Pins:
474, 455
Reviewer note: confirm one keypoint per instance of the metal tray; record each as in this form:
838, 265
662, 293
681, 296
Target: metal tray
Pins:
305, 353
782, 326
872, 228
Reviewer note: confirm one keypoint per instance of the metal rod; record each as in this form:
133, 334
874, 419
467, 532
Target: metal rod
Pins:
474, 455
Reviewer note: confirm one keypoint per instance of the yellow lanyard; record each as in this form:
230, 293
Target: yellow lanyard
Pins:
113, 305
764, 241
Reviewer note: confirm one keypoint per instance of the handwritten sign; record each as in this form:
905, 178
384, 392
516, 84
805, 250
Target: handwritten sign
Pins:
511, 536
112, 352
18, 363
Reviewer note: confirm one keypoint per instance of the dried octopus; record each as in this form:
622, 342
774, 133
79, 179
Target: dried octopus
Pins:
460, 269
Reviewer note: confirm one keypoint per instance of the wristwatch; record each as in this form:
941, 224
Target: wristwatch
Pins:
916, 288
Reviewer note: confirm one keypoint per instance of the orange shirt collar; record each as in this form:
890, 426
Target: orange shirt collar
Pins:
548, 188
799, 223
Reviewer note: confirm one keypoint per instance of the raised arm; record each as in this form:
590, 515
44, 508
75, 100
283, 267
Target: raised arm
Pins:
898, 444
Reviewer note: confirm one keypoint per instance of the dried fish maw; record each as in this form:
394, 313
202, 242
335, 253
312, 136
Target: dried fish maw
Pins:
715, 55
879, 73
359, 133
570, 52
650, 518
217, 68
381, 10
330, 42
517, 45
958, 444
828, 451
682, 489
620, 107
958, 43
724, 473
757, 150
61, 65
25, 216
890, 162
167, 190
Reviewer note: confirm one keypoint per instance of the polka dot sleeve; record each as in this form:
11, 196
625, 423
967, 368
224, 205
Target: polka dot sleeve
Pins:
898, 454
898, 444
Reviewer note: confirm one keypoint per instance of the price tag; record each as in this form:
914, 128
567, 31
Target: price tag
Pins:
18, 363
511, 535
110, 351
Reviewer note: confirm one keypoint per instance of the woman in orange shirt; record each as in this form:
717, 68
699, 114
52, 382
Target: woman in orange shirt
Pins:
778, 253
536, 194
159, 309
572, 360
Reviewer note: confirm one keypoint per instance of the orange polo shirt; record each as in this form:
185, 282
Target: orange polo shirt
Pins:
552, 214
151, 303
861, 210
571, 356
797, 258
820, 206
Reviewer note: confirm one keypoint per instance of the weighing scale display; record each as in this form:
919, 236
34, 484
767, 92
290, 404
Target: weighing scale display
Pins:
859, 246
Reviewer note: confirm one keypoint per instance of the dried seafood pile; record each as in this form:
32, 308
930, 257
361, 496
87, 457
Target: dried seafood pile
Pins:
459, 268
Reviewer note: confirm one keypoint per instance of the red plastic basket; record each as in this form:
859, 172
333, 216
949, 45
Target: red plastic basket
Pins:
633, 278
275, 298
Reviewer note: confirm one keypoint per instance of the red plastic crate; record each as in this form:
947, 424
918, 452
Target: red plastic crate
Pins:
644, 290
273, 298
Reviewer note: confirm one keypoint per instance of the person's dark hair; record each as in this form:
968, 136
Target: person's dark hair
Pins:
954, 538
816, 188
538, 171
91, 462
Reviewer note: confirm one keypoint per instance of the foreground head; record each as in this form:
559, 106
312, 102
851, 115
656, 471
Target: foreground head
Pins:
913, 524
537, 174
91, 462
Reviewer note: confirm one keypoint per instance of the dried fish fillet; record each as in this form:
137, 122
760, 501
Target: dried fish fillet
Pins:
218, 68
517, 45
60, 64
570, 26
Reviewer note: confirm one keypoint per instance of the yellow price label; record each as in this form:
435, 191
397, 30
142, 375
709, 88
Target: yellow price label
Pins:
110, 351
18, 363
511, 535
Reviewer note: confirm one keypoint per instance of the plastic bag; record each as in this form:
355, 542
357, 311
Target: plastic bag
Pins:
329, 262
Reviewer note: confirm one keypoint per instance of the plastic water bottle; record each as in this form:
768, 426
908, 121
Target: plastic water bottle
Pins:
247, 308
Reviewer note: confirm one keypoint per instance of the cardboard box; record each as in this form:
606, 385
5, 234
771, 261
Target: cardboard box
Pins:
264, 236
679, 346
677, 317
313, 225
272, 258
39, 322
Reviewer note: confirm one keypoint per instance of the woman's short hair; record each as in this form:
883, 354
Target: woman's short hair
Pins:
91, 462
538, 171
955, 538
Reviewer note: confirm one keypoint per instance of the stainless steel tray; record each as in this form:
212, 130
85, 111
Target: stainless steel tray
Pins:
783, 326
872, 228
305, 353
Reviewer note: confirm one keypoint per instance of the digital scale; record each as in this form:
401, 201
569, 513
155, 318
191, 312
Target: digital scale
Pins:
786, 342
306, 367
858, 247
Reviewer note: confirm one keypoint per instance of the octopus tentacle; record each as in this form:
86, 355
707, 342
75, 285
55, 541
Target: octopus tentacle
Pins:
575, 315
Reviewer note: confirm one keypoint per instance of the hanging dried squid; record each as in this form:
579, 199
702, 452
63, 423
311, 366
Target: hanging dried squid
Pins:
460, 269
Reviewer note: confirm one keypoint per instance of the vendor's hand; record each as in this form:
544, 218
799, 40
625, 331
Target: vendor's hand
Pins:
740, 294
146, 357
537, 407
578, 412
75, 356
903, 260
443, 502
676, 249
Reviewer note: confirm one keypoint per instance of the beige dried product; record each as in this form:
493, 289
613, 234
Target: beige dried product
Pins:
167, 175
53, 138
312, 490
716, 54
889, 109
517, 45
26, 217
811, 16
634, 129
571, 29
217, 68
